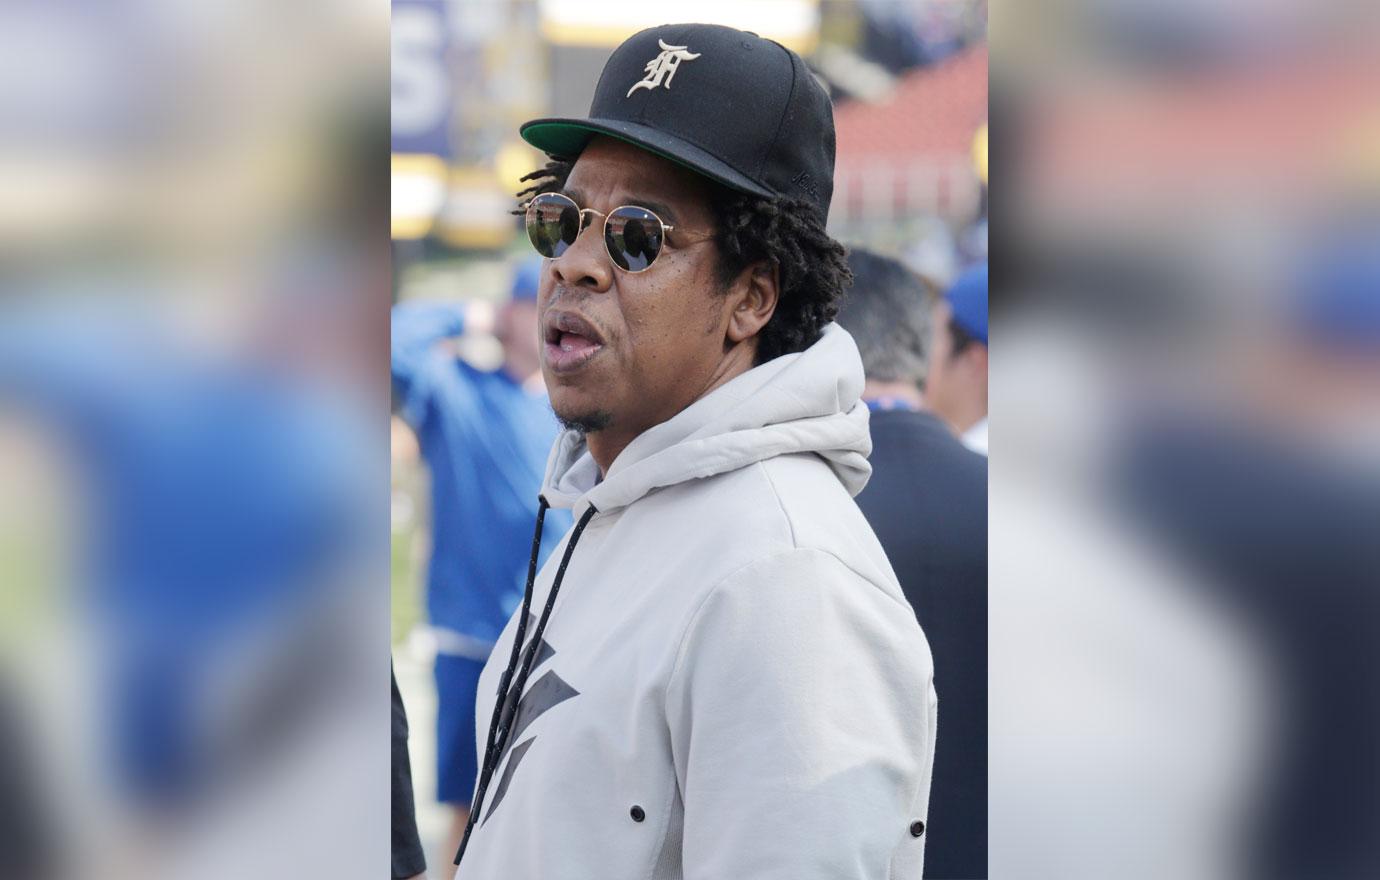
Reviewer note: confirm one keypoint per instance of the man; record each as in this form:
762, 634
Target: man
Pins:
484, 436
927, 501
718, 672
957, 386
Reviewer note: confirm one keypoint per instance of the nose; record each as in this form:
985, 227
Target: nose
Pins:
586, 263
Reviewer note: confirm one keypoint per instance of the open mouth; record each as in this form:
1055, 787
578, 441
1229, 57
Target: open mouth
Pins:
571, 341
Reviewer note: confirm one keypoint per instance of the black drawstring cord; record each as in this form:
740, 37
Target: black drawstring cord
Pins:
518, 641
485, 770
535, 642
501, 723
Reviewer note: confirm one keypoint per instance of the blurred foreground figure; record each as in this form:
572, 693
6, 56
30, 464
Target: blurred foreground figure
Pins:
957, 386
485, 436
191, 351
927, 502
1183, 618
219, 563
1275, 495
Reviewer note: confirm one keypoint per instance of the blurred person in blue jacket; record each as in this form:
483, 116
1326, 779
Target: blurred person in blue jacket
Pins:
485, 436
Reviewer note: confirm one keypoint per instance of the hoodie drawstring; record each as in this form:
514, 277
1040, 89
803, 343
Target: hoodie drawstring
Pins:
500, 725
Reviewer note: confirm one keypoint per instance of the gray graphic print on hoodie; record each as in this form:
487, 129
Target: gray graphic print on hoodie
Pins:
730, 684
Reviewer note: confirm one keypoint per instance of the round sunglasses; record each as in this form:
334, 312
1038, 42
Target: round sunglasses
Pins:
633, 236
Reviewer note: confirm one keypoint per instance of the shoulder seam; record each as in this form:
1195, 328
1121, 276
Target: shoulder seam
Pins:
795, 544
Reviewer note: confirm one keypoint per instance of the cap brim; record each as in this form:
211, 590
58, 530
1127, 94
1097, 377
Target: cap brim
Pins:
568, 137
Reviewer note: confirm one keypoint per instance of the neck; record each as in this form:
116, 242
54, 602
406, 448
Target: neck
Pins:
606, 445
875, 389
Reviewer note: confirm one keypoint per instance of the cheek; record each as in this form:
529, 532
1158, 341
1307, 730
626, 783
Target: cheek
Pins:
666, 319
650, 345
654, 316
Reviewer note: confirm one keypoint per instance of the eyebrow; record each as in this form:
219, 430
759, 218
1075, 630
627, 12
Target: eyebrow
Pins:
661, 209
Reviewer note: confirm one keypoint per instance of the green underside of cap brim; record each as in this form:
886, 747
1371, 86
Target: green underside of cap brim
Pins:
567, 138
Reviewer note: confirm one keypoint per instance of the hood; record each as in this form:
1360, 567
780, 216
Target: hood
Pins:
810, 401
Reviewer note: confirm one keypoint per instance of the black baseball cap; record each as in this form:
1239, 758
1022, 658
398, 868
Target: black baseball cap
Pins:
725, 103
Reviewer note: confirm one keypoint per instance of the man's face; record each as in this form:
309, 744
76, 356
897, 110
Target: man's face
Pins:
626, 351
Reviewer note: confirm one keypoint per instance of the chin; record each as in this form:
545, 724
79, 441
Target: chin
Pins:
586, 421
576, 408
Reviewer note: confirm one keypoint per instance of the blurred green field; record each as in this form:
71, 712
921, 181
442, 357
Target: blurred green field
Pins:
407, 595
410, 541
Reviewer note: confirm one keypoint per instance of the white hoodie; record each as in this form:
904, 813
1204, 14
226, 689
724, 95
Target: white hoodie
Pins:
731, 685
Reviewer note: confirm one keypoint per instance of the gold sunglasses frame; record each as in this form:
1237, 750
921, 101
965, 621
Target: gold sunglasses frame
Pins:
603, 232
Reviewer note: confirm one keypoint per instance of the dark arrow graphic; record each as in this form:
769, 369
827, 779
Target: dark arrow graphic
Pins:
548, 691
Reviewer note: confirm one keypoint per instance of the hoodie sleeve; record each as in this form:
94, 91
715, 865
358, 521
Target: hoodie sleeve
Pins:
802, 715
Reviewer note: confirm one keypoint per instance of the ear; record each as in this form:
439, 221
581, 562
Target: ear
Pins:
752, 300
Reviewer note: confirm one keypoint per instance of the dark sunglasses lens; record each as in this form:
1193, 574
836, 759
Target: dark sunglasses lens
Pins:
553, 223
633, 237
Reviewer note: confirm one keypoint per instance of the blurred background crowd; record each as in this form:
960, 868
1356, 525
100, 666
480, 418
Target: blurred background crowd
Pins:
909, 86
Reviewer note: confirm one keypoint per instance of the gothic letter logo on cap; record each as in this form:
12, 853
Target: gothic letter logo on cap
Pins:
663, 65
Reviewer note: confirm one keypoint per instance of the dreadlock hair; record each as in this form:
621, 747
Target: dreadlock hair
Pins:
549, 178
783, 232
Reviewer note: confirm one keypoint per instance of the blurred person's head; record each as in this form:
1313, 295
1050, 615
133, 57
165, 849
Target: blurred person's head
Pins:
715, 258
515, 324
956, 389
887, 311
